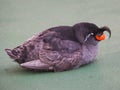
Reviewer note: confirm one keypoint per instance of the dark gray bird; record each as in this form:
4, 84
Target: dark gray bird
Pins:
60, 48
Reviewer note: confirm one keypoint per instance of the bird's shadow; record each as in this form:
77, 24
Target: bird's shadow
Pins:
21, 71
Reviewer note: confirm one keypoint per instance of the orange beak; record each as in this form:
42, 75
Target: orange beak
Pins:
101, 37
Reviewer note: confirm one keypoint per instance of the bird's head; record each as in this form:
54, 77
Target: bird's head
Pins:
17, 54
90, 33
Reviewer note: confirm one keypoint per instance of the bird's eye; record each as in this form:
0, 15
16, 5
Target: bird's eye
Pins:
91, 33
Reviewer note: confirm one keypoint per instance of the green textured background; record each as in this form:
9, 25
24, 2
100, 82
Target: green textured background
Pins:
20, 19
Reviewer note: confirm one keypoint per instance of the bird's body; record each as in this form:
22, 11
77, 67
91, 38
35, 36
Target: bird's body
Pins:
58, 49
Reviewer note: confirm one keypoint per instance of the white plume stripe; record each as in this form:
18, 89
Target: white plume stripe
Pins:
88, 36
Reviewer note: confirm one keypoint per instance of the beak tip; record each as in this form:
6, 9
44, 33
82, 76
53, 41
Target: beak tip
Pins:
100, 38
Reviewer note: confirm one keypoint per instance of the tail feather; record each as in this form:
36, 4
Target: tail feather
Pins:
9, 52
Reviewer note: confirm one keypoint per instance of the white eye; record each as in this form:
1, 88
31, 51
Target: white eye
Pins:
91, 33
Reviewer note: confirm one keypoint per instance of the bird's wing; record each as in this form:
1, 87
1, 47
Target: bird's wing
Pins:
54, 58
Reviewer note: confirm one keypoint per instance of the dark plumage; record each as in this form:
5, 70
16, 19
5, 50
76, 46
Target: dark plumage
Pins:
59, 48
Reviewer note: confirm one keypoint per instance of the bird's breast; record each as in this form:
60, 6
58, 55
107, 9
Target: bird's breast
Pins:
89, 52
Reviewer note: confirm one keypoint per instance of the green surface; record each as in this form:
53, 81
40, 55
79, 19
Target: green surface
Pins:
20, 19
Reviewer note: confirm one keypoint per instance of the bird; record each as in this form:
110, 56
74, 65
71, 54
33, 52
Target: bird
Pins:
60, 48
